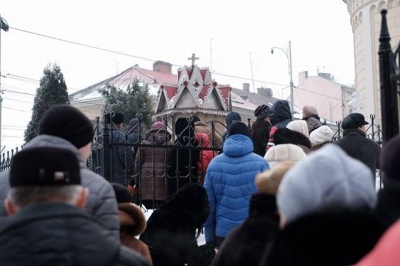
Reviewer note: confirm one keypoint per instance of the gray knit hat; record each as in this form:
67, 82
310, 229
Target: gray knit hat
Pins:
325, 178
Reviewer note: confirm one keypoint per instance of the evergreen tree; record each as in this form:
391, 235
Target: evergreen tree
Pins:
136, 100
52, 90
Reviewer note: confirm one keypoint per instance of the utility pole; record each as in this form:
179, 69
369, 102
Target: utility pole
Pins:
252, 77
288, 54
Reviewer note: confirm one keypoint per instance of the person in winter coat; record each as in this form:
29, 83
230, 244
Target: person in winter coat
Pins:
133, 136
182, 166
121, 160
245, 244
230, 183
280, 116
47, 225
310, 115
325, 203
356, 144
260, 129
132, 222
172, 229
64, 126
388, 207
150, 171
205, 155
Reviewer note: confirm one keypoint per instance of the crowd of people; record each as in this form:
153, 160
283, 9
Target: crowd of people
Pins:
281, 192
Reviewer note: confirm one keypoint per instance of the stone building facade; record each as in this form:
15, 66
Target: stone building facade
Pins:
365, 20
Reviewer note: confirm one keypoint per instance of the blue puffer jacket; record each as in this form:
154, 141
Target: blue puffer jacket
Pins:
230, 185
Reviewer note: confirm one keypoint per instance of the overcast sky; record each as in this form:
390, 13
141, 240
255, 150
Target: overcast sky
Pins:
237, 35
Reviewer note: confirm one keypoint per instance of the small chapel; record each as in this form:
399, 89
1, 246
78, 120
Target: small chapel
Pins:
195, 93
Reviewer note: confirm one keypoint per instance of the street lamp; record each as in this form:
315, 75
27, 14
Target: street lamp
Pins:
288, 54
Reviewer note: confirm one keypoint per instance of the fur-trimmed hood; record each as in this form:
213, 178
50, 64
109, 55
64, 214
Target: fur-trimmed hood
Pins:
131, 215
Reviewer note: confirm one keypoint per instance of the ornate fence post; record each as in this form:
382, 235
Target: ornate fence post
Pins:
389, 108
106, 150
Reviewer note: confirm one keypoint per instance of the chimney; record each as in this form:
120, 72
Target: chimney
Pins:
162, 67
325, 75
265, 92
246, 87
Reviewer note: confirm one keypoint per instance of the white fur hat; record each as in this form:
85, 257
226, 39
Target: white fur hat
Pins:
284, 152
299, 126
321, 135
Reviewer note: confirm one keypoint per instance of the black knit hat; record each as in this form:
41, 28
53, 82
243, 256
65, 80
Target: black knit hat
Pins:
390, 156
44, 167
121, 193
67, 122
238, 128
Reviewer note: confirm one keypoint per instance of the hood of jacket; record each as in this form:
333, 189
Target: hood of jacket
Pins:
202, 139
232, 116
158, 136
237, 145
280, 111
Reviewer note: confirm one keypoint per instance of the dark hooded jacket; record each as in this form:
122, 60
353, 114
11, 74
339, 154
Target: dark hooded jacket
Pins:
150, 170
182, 167
246, 244
330, 238
60, 234
172, 228
280, 116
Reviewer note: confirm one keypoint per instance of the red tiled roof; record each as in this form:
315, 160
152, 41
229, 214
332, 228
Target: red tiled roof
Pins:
170, 91
203, 73
203, 92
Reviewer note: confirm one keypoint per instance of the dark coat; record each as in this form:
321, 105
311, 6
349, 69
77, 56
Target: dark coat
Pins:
355, 143
280, 117
260, 135
388, 207
151, 165
60, 234
246, 244
121, 159
182, 167
337, 238
171, 229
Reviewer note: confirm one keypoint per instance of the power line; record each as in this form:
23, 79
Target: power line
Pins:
133, 56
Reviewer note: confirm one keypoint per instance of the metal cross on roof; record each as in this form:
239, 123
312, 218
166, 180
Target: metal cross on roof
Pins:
193, 58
